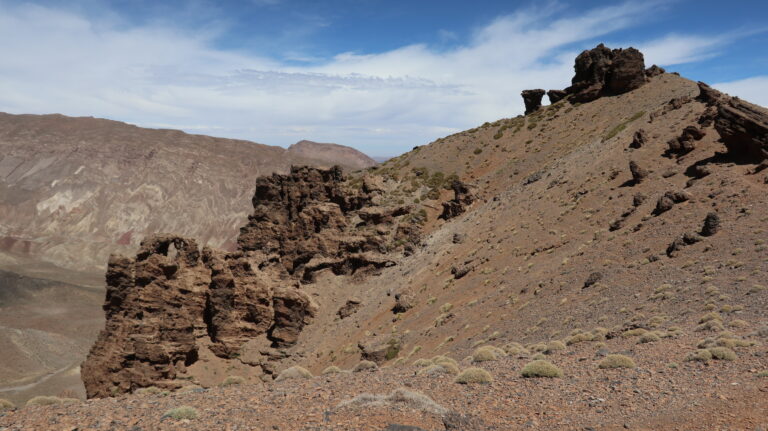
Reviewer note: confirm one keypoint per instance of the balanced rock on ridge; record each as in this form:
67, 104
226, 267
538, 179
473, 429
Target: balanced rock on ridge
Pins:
532, 100
604, 72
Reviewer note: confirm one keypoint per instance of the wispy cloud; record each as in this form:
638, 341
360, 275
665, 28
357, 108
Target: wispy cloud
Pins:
384, 103
754, 89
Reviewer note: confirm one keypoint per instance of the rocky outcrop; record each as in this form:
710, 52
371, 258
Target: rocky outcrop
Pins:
462, 198
686, 142
639, 139
532, 100
742, 126
638, 173
602, 71
306, 219
556, 95
654, 71
174, 303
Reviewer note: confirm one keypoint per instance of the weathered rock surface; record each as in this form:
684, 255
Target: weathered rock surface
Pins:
602, 71
175, 303
742, 126
639, 139
462, 198
532, 100
556, 95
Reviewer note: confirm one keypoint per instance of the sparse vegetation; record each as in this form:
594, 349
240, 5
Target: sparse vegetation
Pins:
233, 380
541, 368
365, 366
43, 400
402, 396
295, 372
617, 361
474, 375
180, 413
6, 405
487, 353
722, 353
332, 370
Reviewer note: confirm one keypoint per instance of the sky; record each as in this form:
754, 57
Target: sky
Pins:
380, 76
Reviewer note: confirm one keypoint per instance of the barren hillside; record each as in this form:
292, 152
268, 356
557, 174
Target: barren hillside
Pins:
601, 261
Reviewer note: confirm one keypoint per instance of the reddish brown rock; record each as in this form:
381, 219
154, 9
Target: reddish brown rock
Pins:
174, 303
556, 95
638, 173
462, 198
639, 139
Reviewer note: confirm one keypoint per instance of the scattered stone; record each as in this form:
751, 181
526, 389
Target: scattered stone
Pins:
711, 224
458, 238
638, 173
532, 100
349, 308
592, 279
462, 198
460, 271
638, 199
669, 199
403, 303
639, 139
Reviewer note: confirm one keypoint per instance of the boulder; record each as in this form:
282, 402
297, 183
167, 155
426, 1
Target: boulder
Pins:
556, 95
532, 100
639, 139
604, 72
638, 173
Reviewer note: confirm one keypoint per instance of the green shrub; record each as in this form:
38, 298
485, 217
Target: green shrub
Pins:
554, 346
483, 354
183, 412
474, 375
233, 380
701, 355
295, 372
617, 361
722, 353
541, 368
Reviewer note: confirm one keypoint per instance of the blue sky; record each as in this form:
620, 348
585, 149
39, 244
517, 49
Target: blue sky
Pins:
382, 76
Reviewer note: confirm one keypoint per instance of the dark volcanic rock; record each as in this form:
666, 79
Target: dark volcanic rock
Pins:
532, 100
592, 279
639, 139
668, 200
605, 72
742, 126
556, 95
711, 224
462, 198
685, 143
654, 71
349, 308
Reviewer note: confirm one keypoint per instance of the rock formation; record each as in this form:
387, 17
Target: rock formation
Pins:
462, 198
602, 71
532, 100
556, 95
742, 126
175, 303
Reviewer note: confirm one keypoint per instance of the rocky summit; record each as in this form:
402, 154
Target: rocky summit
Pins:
597, 263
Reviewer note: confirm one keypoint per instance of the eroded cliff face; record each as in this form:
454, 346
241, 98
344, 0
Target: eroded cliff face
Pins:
175, 304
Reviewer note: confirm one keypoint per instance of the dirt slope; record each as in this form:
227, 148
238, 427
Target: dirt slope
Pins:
332, 153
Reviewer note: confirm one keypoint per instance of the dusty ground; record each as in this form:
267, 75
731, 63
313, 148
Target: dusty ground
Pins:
720, 395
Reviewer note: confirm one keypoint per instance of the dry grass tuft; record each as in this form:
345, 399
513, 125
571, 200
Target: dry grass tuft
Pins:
617, 361
474, 375
399, 396
233, 380
541, 368
183, 412
295, 372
